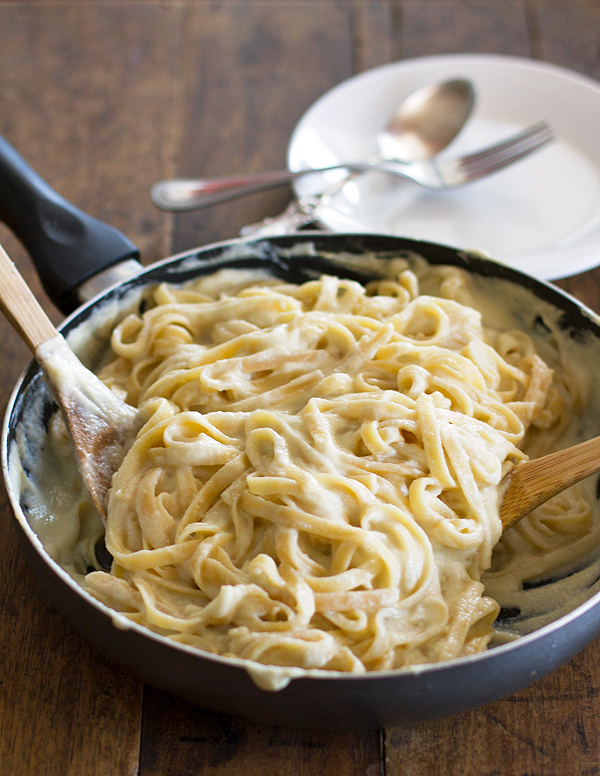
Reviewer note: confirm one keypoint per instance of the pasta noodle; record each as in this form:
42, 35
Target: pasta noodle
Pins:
316, 483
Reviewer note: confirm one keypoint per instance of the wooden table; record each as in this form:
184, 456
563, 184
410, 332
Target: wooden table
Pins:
105, 98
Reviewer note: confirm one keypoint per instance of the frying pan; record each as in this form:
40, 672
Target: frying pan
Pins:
75, 253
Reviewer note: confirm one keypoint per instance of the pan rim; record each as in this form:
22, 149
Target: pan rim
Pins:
296, 675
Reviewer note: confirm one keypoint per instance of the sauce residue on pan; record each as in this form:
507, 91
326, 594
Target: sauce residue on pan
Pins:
316, 485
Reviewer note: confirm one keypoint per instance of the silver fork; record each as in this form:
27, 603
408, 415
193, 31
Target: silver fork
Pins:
304, 210
187, 194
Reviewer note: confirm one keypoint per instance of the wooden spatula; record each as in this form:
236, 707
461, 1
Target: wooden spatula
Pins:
532, 483
101, 426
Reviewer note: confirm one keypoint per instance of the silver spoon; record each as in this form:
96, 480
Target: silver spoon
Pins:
425, 123
418, 130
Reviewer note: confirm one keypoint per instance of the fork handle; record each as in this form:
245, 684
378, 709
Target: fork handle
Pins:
189, 194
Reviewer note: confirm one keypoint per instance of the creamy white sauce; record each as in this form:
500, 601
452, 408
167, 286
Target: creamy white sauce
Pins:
61, 515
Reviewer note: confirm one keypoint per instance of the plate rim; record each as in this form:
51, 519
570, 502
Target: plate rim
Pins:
583, 260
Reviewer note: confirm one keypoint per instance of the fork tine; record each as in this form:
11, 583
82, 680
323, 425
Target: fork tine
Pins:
480, 164
507, 157
484, 163
531, 134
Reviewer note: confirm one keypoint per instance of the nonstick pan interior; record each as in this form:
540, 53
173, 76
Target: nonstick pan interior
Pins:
314, 699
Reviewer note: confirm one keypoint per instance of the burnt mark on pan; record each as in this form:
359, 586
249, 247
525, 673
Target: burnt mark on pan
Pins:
33, 409
508, 616
536, 584
540, 326
103, 557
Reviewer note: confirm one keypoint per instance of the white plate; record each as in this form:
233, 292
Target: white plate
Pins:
541, 215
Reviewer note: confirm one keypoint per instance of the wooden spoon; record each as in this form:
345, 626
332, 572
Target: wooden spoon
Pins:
532, 483
101, 426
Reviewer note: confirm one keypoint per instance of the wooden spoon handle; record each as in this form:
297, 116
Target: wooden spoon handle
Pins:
21, 307
534, 482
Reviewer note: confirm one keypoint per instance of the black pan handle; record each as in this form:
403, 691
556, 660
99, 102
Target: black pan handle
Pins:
66, 245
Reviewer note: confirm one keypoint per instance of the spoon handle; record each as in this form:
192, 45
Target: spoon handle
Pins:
534, 482
188, 194
21, 307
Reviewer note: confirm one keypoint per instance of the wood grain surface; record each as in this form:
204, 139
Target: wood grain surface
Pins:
104, 98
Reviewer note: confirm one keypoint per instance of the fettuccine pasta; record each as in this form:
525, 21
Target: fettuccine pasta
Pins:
316, 484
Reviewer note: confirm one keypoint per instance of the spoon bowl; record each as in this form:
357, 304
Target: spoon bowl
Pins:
427, 121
